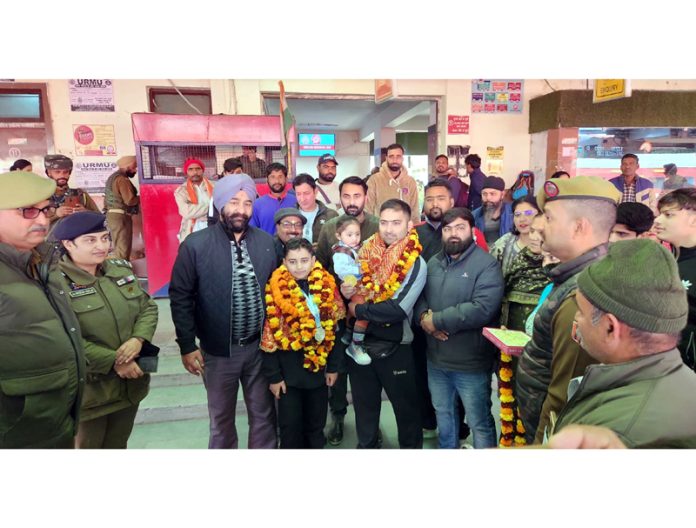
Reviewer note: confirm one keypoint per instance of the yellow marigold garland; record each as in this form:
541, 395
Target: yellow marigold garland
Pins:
284, 299
382, 292
511, 428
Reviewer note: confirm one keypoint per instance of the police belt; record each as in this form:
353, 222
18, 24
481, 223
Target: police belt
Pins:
129, 211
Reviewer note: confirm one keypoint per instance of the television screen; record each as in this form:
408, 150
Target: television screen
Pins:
316, 144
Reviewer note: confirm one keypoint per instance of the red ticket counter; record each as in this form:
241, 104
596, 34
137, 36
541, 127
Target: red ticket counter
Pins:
162, 143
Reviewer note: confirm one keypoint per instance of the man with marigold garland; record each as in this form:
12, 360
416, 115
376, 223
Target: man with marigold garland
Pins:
463, 294
303, 307
216, 296
394, 275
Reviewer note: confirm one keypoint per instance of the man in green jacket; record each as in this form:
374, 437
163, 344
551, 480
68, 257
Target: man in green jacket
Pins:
579, 213
630, 322
353, 191
41, 358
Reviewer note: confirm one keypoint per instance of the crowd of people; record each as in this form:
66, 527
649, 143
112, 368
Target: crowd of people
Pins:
316, 283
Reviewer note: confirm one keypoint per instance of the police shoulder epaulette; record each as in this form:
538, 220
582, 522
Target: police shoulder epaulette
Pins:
121, 262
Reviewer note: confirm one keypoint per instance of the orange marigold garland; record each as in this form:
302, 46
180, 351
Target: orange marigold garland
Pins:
290, 320
511, 428
378, 292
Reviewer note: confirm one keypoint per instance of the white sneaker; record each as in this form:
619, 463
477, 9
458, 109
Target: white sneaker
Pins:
356, 352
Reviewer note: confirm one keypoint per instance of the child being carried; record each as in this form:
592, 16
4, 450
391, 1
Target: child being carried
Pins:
345, 265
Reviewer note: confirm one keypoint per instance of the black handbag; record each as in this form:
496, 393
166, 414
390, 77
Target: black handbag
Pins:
148, 360
382, 340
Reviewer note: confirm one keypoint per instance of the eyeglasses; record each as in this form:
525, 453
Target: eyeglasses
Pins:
459, 228
30, 213
288, 225
517, 214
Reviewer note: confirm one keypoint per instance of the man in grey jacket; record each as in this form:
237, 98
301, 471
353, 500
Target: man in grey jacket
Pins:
463, 293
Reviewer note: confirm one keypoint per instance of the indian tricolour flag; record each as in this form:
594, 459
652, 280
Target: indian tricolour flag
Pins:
287, 127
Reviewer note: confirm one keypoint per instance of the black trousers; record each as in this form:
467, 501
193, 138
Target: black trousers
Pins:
302, 418
396, 374
338, 394
421, 365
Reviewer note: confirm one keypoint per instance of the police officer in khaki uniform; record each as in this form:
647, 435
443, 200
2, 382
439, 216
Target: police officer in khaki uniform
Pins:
66, 199
116, 317
580, 213
41, 355
121, 201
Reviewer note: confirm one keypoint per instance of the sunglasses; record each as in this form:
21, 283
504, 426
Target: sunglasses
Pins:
29, 213
517, 214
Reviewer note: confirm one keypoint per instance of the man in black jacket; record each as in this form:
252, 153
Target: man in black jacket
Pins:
216, 294
388, 337
462, 295
438, 200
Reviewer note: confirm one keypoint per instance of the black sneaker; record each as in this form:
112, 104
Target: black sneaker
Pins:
335, 436
464, 431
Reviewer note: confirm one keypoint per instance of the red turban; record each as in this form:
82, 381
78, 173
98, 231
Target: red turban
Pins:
191, 161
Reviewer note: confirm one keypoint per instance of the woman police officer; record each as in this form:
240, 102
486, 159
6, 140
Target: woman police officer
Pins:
116, 317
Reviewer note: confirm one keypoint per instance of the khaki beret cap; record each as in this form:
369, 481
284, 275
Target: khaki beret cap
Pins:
578, 188
24, 189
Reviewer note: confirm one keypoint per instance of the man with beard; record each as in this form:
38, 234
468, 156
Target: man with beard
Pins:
279, 196
289, 224
327, 186
463, 294
67, 200
438, 200
441, 167
216, 295
494, 218
42, 363
121, 202
580, 213
353, 194
394, 276
193, 198
393, 182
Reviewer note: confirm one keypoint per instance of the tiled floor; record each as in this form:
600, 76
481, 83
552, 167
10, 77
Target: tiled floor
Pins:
193, 433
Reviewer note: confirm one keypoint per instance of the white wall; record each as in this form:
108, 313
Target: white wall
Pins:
245, 97
353, 157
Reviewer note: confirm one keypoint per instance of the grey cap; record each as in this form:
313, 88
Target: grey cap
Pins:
288, 211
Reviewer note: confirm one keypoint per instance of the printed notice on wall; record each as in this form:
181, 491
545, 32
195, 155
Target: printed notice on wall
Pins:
91, 95
457, 124
494, 161
92, 175
496, 97
94, 140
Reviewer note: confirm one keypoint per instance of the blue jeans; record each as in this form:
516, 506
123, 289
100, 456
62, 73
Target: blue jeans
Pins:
474, 388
